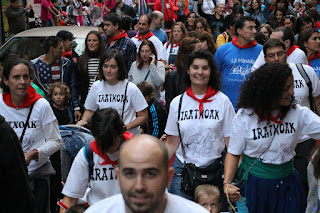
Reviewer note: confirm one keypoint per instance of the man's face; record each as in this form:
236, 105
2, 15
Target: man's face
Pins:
143, 25
248, 31
276, 54
158, 21
110, 29
57, 51
143, 178
15, 4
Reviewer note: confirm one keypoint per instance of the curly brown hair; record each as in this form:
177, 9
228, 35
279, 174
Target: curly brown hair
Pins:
63, 87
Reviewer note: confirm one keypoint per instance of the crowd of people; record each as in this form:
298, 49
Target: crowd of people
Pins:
229, 92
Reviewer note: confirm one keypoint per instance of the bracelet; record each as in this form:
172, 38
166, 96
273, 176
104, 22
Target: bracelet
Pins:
227, 183
37, 154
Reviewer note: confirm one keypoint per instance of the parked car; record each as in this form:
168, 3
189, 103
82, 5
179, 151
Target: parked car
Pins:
29, 43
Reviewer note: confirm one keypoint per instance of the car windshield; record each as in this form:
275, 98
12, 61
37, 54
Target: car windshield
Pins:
32, 47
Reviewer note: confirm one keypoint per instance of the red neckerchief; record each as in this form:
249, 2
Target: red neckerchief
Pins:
121, 35
66, 54
210, 92
291, 49
95, 149
315, 56
274, 119
148, 35
31, 98
251, 44
176, 45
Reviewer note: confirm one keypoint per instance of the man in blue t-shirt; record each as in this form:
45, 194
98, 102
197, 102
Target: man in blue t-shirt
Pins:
156, 24
235, 59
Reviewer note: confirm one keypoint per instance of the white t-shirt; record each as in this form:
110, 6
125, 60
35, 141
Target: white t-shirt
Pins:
171, 49
203, 138
252, 138
175, 204
42, 133
161, 51
102, 95
296, 57
104, 183
208, 6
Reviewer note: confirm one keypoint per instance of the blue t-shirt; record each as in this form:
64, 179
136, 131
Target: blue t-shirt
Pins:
315, 64
160, 34
235, 65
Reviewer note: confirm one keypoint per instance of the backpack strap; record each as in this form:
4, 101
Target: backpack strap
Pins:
88, 153
309, 84
178, 124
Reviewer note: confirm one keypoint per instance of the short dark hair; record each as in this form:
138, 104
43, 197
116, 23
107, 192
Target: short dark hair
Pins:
145, 88
106, 126
78, 208
301, 21
239, 24
214, 80
230, 20
114, 19
101, 25
285, 2
51, 41
304, 37
149, 18
126, 22
8, 64
13, 1
272, 43
313, 15
287, 34
264, 88
65, 35
116, 55
237, 9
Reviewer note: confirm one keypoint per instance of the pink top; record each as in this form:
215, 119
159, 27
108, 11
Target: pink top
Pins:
45, 13
110, 4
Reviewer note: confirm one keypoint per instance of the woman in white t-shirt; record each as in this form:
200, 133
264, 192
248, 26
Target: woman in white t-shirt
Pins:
148, 68
94, 165
32, 118
265, 131
203, 120
113, 90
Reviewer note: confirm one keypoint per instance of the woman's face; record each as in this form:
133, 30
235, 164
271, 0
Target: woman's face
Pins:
279, 16
306, 25
177, 34
199, 27
313, 43
18, 81
287, 92
110, 70
265, 32
93, 43
288, 23
191, 19
145, 53
254, 4
199, 72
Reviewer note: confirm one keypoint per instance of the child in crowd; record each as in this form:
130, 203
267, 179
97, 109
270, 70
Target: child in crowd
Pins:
59, 94
157, 117
78, 208
208, 196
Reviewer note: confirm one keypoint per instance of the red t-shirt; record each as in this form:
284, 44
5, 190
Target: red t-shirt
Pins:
45, 13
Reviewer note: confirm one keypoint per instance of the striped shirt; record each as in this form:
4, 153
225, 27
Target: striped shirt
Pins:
93, 64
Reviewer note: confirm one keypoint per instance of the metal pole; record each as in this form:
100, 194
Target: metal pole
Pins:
2, 25
162, 4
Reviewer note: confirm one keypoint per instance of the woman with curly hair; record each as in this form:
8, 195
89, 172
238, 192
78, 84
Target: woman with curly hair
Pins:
202, 25
265, 131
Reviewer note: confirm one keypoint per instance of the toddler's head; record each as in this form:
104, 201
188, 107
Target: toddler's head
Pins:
147, 90
59, 93
208, 196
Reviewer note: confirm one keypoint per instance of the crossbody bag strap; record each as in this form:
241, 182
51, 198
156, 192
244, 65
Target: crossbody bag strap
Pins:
145, 78
178, 124
124, 100
26, 124
309, 84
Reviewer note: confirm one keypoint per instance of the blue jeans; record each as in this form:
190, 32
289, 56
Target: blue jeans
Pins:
175, 186
47, 23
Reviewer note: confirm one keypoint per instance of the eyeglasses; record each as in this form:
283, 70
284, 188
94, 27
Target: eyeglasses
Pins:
273, 55
288, 16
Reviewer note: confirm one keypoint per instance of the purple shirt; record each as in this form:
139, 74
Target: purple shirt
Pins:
45, 13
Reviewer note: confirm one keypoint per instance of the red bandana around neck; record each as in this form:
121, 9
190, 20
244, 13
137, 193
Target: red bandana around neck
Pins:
315, 56
251, 44
66, 54
121, 35
31, 98
148, 35
274, 119
95, 149
291, 49
210, 92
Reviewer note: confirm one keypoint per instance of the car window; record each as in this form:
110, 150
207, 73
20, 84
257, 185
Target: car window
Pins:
32, 47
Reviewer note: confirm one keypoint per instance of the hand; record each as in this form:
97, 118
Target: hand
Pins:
77, 115
163, 138
169, 67
31, 155
81, 123
153, 59
28, 6
232, 191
